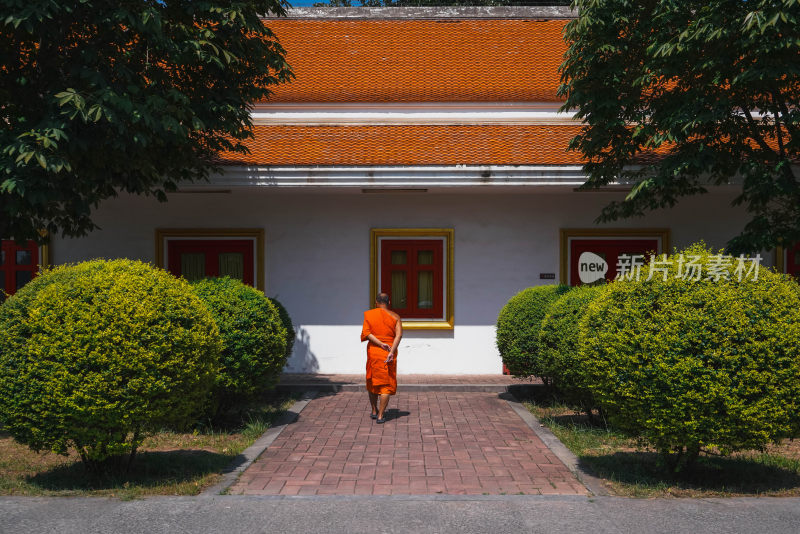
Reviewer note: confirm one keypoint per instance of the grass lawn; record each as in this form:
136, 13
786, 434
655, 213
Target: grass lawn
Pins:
633, 472
168, 463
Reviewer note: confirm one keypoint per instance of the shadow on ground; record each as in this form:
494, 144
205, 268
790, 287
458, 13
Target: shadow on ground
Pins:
265, 408
322, 383
753, 475
297, 382
151, 469
393, 413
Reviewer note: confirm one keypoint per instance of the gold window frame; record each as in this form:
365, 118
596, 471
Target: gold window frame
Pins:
448, 323
44, 257
257, 234
45, 261
608, 233
780, 259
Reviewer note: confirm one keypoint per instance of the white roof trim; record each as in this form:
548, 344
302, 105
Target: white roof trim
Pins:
396, 177
443, 12
398, 114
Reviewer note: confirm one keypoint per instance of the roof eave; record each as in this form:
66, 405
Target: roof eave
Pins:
425, 13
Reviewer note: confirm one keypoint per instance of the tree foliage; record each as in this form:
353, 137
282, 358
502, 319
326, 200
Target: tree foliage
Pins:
518, 326
253, 340
286, 321
696, 365
99, 97
98, 355
559, 338
679, 95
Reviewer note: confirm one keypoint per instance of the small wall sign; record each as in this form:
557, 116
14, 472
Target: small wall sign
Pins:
547, 276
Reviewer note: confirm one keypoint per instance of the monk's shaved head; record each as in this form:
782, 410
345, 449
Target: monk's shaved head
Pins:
382, 298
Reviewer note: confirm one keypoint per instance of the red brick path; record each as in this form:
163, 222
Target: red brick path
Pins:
451, 443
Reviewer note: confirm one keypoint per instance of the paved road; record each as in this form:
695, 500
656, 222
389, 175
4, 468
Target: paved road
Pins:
378, 514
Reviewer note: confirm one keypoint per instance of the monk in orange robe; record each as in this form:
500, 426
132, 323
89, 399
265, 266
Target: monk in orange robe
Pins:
383, 330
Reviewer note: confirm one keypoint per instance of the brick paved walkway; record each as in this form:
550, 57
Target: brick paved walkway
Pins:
452, 443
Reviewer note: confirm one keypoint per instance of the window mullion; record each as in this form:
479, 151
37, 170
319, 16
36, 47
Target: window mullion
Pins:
409, 308
412, 286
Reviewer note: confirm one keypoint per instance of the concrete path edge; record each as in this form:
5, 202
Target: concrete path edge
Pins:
592, 483
250, 454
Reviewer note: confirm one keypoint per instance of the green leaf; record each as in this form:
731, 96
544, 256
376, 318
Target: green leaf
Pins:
8, 185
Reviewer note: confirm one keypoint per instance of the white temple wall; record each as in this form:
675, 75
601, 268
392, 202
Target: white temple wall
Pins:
317, 246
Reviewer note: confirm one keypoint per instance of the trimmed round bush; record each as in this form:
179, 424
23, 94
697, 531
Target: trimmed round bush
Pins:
97, 355
253, 339
518, 328
697, 365
286, 321
558, 342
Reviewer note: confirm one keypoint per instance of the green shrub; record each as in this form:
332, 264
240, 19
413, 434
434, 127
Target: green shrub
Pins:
97, 355
286, 321
518, 328
692, 366
253, 340
558, 342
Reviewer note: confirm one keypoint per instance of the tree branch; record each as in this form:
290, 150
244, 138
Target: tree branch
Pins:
778, 132
780, 102
754, 130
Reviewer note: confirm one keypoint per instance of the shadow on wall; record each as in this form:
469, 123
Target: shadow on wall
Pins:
302, 359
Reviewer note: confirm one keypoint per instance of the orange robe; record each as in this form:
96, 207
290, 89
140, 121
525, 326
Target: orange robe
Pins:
381, 377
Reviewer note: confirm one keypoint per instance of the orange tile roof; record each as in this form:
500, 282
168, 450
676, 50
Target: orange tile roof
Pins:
420, 60
409, 145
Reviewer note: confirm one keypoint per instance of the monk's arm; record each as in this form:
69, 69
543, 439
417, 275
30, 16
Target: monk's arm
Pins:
366, 333
381, 344
398, 335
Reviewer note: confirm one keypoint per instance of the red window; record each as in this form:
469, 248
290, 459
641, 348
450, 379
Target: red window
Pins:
793, 260
609, 250
195, 259
411, 272
18, 265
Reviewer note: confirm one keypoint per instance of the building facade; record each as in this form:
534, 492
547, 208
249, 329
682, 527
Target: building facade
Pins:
419, 152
